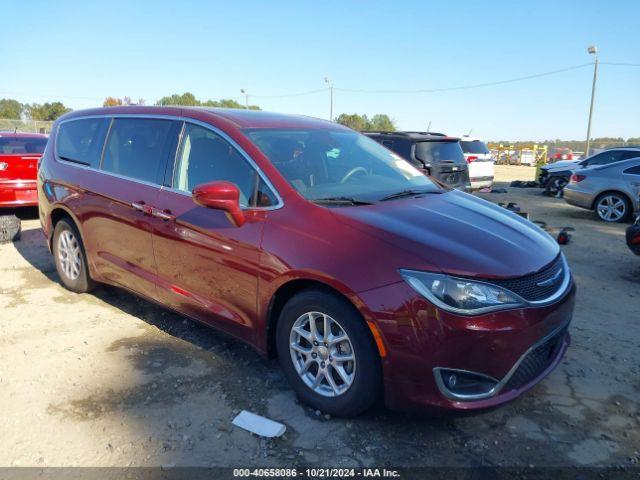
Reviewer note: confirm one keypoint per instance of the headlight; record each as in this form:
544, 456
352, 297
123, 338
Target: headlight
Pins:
459, 295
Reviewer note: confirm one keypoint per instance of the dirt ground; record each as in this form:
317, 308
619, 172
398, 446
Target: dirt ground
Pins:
107, 379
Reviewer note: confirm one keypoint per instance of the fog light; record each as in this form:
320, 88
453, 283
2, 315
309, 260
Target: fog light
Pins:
3, 166
465, 385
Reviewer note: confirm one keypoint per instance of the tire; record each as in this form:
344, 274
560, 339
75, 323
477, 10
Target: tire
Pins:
67, 243
612, 207
10, 228
364, 371
555, 185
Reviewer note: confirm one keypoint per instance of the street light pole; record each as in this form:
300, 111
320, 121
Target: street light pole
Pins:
246, 98
593, 50
328, 82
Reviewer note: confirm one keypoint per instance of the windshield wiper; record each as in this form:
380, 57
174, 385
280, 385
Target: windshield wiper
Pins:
407, 193
341, 201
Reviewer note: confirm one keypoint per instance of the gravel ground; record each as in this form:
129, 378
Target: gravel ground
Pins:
107, 379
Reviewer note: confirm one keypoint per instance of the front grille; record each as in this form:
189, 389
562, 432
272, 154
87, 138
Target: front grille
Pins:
528, 287
536, 361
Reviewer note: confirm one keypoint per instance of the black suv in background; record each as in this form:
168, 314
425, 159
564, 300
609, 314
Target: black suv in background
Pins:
435, 154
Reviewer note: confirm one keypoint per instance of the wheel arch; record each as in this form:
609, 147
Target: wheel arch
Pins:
292, 287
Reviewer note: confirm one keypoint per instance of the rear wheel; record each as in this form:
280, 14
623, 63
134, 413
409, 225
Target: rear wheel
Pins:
70, 258
612, 207
327, 353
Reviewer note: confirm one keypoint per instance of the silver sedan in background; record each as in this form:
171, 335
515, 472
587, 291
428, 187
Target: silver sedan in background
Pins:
612, 191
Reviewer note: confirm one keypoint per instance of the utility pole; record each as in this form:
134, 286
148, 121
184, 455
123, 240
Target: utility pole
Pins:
593, 50
328, 82
246, 98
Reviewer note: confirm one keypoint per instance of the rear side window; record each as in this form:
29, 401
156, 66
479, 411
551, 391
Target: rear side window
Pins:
21, 145
136, 147
436, 152
633, 170
475, 146
81, 141
605, 158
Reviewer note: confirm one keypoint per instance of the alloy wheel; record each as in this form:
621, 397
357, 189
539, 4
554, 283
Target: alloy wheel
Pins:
322, 354
69, 254
611, 208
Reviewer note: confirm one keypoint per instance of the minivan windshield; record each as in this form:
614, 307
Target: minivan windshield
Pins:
339, 165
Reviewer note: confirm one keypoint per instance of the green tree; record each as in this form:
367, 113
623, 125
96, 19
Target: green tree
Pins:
11, 109
46, 111
382, 122
188, 99
354, 121
363, 123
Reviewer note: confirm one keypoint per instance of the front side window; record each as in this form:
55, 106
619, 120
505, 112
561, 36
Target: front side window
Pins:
605, 158
205, 157
136, 147
81, 141
324, 164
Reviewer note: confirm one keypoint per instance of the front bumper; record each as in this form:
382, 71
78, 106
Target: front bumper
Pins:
577, 197
420, 338
18, 193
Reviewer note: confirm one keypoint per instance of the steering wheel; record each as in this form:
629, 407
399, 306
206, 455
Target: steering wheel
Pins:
352, 172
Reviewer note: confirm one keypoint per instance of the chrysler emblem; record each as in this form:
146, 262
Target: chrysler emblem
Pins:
550, 281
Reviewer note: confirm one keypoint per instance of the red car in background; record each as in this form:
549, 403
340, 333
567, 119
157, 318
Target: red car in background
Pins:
19, 155
560, 153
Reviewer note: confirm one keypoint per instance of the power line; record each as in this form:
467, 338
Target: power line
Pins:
286, 95
467, 87
620, 64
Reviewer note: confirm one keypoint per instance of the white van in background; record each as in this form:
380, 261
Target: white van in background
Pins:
480, 161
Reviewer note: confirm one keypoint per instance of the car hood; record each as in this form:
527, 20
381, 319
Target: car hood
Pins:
456, 233
561, 165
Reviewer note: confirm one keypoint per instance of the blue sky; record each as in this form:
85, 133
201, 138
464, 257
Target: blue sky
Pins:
80, 52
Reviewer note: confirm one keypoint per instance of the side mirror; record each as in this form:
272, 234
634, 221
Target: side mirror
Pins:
223, 196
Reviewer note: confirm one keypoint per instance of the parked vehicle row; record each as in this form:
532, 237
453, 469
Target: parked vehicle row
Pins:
464, 163
555, 176
315, 244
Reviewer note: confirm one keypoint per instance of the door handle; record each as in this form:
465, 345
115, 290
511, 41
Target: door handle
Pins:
165, 215
142, 207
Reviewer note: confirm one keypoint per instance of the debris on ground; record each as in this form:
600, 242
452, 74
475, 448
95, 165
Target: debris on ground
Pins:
524, 184
259, 425
10, 228
498, 190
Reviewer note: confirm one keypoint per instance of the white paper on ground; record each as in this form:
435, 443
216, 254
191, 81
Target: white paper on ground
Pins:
259, 425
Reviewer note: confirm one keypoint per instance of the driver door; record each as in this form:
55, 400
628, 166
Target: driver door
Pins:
207, 267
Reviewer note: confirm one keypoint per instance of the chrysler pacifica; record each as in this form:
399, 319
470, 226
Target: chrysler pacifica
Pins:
314, 244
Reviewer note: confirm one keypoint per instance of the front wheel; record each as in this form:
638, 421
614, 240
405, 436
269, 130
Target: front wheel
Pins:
555, 185
328, 354
70, 258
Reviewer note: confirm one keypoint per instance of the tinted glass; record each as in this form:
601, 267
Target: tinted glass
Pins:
475, 146
82, 140
630, 154
21, 145
326, 163
605, 158
436, 152
206, 157
137, 147
633, 170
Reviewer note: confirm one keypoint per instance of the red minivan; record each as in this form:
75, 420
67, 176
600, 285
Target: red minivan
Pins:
19, 155
312, 243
